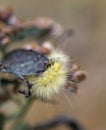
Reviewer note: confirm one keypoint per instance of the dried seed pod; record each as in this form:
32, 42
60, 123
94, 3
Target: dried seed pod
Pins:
79, 76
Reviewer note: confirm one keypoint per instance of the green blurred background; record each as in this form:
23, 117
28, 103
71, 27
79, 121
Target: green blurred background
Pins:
87, 47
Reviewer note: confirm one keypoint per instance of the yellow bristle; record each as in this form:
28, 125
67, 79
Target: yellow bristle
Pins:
59, 56
53, 79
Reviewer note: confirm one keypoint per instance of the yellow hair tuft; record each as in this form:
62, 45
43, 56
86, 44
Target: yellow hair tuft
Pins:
53, 79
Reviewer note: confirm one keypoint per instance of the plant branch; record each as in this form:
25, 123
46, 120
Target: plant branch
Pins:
68, 121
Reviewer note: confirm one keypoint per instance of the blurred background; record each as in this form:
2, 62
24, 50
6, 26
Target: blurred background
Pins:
87, 47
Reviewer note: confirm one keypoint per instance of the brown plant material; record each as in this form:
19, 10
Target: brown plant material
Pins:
75, 76
79, 76
43, 22
3, 95
45, 48
12, 26
5, 13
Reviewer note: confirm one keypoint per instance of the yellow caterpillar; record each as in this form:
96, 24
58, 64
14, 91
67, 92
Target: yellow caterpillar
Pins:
53, 78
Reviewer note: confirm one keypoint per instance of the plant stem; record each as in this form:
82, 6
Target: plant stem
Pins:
19, 119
